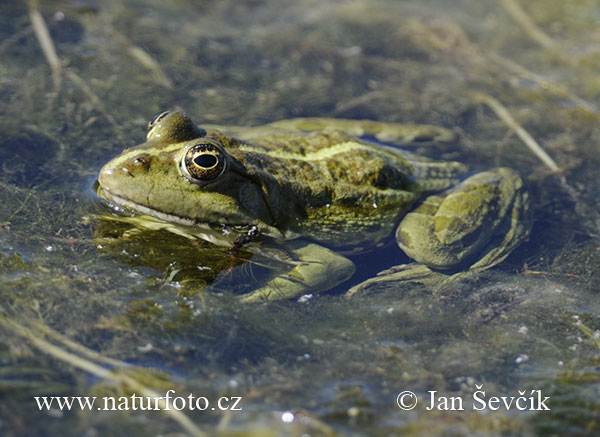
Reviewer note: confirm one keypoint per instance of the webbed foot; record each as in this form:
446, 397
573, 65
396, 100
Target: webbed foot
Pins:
315, 270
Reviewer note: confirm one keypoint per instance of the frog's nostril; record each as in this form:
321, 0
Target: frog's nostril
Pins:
141, 163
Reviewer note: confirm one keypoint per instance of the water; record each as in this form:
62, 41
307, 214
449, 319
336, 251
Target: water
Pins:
329, 365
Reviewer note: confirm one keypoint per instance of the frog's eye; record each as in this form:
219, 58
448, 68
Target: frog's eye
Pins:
154, 123
172, 127
203, 162
158, 117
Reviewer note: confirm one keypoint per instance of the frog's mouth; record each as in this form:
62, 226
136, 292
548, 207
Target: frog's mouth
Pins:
118, 201
193, 227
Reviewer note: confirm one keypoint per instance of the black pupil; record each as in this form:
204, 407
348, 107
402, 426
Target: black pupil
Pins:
159, 117
205, 160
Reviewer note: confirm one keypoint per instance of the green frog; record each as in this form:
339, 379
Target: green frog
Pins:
314, 186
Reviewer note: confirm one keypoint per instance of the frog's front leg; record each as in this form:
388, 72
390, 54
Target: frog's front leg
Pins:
469, 228
315, 269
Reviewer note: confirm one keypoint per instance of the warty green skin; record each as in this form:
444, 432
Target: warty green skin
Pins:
315, 179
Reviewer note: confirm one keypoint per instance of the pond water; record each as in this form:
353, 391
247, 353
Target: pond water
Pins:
95, 307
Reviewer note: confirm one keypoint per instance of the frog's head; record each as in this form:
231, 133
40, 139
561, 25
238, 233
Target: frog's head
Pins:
183, 174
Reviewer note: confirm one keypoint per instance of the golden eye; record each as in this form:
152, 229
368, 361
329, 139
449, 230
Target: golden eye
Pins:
158, 117
203, 162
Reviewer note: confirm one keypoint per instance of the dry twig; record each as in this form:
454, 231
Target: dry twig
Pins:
116, 376
531, 29
43, 36
501, 111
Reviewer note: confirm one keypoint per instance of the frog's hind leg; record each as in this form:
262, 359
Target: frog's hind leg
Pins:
396, 133
512, 231
473, 226
458, 232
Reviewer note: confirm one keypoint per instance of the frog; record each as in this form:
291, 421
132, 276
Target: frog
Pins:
315, 188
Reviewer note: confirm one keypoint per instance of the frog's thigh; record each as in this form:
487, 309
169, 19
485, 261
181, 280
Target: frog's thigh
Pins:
317, 269
487, 214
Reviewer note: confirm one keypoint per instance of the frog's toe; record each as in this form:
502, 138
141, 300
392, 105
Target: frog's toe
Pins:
393, 279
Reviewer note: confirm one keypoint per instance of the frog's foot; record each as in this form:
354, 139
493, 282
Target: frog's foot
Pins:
466, 229
315, 270
395, 133
474, 225
408, 275
399, 276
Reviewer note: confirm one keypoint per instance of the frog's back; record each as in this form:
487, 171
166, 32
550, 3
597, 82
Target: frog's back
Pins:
336, 188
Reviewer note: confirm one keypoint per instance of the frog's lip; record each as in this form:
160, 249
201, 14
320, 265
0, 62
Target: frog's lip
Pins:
170, 218
121, 201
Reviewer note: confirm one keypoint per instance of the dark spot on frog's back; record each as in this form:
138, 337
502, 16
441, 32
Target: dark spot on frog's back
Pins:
390, 177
